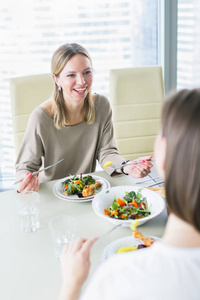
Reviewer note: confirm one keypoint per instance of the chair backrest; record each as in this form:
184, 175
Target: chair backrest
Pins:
136, 96
26, 94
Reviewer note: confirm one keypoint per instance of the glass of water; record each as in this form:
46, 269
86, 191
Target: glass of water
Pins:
63, 230
28, 210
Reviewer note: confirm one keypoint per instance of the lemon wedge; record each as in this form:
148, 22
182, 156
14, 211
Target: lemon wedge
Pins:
108, 164
126, 249
134, 225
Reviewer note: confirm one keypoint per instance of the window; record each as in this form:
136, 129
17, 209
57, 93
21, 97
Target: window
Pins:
188, 52
117, 33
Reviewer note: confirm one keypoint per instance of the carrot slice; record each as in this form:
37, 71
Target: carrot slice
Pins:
134, 203
122, 216
113, 212
106, 212
120, 202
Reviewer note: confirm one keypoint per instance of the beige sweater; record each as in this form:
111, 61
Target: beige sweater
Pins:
80, 145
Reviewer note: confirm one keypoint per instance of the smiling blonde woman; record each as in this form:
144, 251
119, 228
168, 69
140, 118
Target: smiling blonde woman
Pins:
73, 124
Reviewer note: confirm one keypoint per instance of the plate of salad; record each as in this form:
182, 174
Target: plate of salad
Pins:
80, 188
123, 204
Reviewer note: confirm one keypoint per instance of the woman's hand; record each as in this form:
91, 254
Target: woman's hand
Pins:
29, 183
140, 170
75, 264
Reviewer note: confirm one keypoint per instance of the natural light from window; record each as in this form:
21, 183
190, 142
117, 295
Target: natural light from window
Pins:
117, 33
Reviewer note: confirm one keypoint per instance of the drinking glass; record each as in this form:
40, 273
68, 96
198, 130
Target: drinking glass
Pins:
63, 230
28, 210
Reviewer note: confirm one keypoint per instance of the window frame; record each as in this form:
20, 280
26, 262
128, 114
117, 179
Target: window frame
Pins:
167, 43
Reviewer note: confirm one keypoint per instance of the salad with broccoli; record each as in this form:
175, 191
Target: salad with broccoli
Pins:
131, 206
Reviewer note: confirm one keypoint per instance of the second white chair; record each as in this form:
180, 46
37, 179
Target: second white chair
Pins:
136, 96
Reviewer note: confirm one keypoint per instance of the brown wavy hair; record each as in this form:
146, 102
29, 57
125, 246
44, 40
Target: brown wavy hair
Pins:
59, 59
181, 127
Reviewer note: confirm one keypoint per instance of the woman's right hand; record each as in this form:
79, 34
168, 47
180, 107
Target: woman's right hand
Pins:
75, 263
29, 183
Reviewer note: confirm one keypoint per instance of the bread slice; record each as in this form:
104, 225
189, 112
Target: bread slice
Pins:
159, 190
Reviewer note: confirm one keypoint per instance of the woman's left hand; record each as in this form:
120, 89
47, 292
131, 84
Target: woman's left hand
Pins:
140, 170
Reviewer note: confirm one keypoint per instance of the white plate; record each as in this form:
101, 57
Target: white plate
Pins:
58, 189
105, 198
127, 241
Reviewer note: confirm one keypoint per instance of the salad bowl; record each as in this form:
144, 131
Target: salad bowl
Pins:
103, 200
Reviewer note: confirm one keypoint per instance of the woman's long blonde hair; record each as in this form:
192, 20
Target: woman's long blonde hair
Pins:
60, 114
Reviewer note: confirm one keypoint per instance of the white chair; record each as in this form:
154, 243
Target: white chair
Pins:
136, 96
26, 94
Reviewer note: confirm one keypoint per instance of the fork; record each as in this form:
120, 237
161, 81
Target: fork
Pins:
35, 173
115, 227
116, 167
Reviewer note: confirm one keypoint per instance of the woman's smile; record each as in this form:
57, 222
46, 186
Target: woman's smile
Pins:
81, 91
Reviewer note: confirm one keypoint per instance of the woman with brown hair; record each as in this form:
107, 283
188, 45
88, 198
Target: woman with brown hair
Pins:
73, 124
170, 268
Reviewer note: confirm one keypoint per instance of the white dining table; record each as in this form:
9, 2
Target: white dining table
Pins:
28, 268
